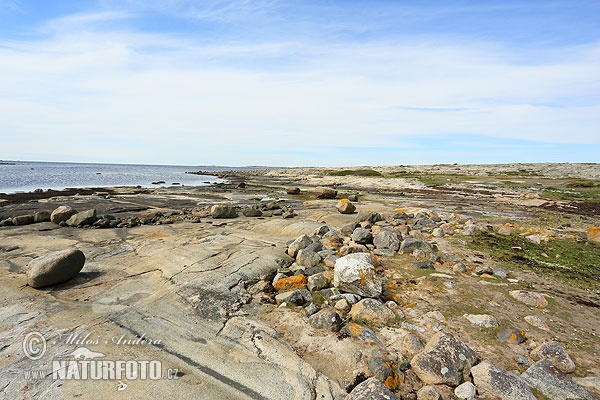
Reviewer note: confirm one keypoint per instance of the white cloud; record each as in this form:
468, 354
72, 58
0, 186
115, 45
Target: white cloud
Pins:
93, 87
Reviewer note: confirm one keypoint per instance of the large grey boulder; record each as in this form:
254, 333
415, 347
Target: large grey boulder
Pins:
62, 214
55, 268
387, 238
308, 258
443, 360
552, 383
325, 193
371, 389
223, 211
296, 297
495, 382
355, 273
411, 244
556, 353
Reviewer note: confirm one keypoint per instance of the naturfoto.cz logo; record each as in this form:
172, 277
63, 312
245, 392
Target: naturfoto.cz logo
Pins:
85, 364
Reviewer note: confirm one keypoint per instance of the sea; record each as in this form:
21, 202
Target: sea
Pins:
27, 176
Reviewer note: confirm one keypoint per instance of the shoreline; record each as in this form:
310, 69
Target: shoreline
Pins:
162, 263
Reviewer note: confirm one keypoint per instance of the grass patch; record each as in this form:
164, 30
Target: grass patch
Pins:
578, 262
354, 172
428, 179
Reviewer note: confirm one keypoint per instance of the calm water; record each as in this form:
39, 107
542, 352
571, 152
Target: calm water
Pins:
26, 176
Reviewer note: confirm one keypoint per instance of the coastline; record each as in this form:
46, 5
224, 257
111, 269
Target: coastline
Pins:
205, 286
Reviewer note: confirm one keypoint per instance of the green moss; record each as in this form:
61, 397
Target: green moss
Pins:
355, 172
575, 261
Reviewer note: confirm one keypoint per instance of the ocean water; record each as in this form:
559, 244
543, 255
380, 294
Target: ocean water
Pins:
24, 176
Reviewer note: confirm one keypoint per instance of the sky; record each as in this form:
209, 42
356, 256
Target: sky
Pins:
300, 83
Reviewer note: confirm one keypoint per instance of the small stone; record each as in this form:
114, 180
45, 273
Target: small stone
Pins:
318, 281
428, 392
512, 335
538, 322
343, 305
326, 319
311, 309
308, 258
223, 211
362, 333
292, 282
387, 238
372, 310
556, 353
345, 206
465, 391
300, 243
482, 320
296, 297
349, 297
530, 298
55, 268
362, 236
371, 389
412, 344
292, 190
325, 193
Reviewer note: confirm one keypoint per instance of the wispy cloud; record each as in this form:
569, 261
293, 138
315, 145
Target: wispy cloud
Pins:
194, 95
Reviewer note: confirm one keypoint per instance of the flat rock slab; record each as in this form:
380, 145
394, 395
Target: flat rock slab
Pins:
498, 383
552, 383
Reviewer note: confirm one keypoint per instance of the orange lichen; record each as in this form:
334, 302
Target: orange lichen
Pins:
593, 234
293, 282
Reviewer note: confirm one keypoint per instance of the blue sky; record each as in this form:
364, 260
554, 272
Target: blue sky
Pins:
271, 82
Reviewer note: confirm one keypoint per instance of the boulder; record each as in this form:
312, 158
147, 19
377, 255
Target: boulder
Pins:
41, 216
252, 212
83, 218
223, 211
23, 220
362, 236
295, 297
387, 238
465, 391
443, 360
55, 268
292, 190
556, 353
482, 320
493, 381
530, 298
361, 333
326, 319
410, 244
372, 310
355, 273
325, 193
308, 258
289, 283
371, 217
552, 383
428, 392
318, 281
512, 335
344, 206
300, 243
371, 389
62, 214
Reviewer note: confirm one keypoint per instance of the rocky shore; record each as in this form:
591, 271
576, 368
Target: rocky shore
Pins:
443, 282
